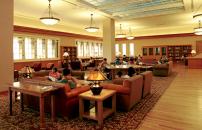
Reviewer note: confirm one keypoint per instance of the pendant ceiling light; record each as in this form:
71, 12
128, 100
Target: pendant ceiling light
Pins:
197, 17
198, 30
49, 20
91, 28
130, 36
120, 34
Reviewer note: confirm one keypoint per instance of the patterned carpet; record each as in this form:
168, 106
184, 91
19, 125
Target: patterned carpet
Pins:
29, 119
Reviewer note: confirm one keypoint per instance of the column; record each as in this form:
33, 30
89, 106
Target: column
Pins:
6, 43
109, 39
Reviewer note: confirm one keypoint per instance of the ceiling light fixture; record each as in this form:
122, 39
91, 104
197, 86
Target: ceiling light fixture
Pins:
121, 34
198, 30
49, 20
91, 28
197, 17
130, 37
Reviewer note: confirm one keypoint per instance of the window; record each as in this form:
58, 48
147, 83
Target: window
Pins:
117, 52
132, 47
17, 48
123, 49
31, 48
41, 48
89, 49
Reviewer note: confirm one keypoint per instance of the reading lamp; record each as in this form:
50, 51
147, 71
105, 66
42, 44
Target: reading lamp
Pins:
96, 76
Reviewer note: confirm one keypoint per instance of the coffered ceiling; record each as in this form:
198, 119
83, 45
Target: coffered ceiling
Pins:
145, 17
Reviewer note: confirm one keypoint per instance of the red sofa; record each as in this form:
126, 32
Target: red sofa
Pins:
129, 91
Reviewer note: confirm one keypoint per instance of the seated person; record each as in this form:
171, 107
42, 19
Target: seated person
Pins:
103, 64
119, 74
131, 71
67, 78
54, 75
117, 61
132, 61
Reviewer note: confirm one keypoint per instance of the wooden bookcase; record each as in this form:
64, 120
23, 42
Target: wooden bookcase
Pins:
173, 52
72, 50
176, 52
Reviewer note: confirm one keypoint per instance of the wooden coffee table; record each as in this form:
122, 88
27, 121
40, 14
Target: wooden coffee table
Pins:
98, 112
35, 90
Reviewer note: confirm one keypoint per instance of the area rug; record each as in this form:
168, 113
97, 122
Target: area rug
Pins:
29, 119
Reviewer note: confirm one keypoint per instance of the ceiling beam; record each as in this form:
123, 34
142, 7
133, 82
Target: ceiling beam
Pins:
154, 14
121, 3
158, 7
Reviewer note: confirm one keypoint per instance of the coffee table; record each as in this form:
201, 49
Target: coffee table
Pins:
35, 90
98, 112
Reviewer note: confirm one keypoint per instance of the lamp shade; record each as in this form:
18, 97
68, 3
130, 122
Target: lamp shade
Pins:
66, 54
91, 28
96, 76
197, 17
193, 52
49, 20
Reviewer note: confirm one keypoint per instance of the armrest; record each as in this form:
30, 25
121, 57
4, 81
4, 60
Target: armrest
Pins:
118, 81
119, 88
76, 91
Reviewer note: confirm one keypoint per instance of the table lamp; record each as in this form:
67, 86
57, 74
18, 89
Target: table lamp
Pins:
193, 52
96, 76
27, 71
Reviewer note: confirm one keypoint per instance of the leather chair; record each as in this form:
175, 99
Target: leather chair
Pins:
163, 69
129, 91
147, 83
37, 66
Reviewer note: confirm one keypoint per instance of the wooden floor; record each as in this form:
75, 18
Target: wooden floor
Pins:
180, 107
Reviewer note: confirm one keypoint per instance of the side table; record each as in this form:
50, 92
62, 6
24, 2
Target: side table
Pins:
98, 112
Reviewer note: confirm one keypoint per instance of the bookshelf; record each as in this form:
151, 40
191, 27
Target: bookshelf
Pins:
176, 52
72, 51
173, 52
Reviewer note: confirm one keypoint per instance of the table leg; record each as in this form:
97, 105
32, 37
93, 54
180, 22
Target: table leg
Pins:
100, 113
53, 108
81, 108
114, 103
42, 121
21, 102
10, 101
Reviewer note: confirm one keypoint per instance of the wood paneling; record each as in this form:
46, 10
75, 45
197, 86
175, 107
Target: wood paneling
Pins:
195, 63
198, 46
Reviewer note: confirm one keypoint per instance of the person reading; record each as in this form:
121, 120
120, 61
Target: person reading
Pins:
54, 75
67, 78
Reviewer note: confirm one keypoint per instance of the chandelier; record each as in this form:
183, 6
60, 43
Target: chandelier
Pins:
198, 30
91, 28
49, 20
120, 34
130, 37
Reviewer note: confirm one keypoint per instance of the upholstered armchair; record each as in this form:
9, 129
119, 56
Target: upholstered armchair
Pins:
147, 83
163, 69
129, 91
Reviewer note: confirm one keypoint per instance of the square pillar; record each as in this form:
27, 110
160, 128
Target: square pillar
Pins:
109, 39
6, 43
